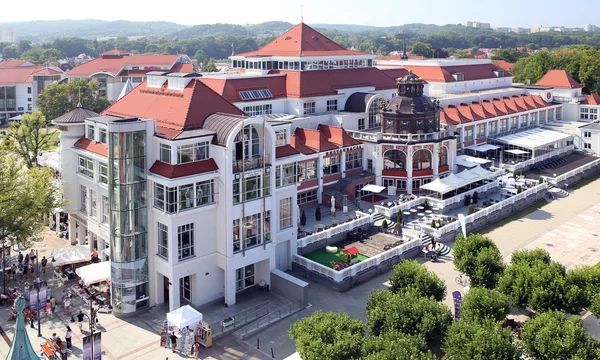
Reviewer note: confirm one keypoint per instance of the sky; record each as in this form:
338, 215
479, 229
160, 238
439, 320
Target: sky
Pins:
507, 13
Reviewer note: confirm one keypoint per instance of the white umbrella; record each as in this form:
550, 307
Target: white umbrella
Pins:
184, 316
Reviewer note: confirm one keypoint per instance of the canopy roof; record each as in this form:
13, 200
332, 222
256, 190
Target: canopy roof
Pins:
351, 250
373, 188
184, 316
94, 273
71, 255
470, 161
534, 138
484, 147
455, 181
516, 152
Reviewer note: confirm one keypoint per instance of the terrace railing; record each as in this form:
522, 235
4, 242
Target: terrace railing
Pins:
339, 276
326, 234
567, 175
441, 204
537, 159
389, 211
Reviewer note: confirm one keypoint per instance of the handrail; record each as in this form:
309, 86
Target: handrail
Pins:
537, 159
567, 175
326, 234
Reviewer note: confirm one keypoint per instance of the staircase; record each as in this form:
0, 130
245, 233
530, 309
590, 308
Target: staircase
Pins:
557, 193
338, 190
427, 239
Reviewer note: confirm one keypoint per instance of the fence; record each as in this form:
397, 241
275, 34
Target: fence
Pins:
339, 276
326, 234
567, 175
389, 211
268, 319
442, 204
537, 159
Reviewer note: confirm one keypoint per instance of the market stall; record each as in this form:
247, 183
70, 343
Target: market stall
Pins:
94, 273
71, 255
191, 328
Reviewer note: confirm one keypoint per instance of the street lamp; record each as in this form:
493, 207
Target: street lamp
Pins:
37, 288
92, 322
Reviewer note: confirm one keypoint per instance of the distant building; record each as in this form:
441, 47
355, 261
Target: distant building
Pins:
590, 28
8, 35
518, 30
502, 29
477, 24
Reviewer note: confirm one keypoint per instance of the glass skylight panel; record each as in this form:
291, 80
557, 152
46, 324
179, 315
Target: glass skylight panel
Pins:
255, 94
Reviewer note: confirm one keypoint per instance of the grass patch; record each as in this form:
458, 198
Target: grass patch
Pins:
528, 210
324, 258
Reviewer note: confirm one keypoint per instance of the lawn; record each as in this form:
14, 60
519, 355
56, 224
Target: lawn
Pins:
324, 258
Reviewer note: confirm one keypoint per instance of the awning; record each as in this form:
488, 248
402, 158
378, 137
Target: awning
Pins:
376, 189
184, 316
71, 255
484, 147
535, 138
470, 161
516, 152
438, 186
94, 273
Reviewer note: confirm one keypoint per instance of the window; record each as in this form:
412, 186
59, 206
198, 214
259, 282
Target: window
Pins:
136, 79
370, 164
559, 113
533, 118
94, 206
103, 178
416, 184
186, 197
443, 156
285, 213
251, 187
185, 241
83, 196
124, 79
523, 120
459, 76
587, 134
468, 133
388, 182
586, 113
374, 109
171, 199
256, 110
159, 196
285, 175
480, 130
503, 125
192, 152
102, 136
105, 210
307, 170
551, 115
309, 108
251, 232
29, 89
542, 116
244, 277
361, 124
401, 184
331, 165
91, 132
165, 153
493, 128
593, 114
281, 137
354, 160
86, 166
306, 197
514, 122
332, 105
587, 145
255, 94
205, 192
422, 160
29, 100
163, 241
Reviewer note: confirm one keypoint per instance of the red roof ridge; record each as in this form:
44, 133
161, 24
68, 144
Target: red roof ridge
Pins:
558, 79
593, 99
92, 146
171, 171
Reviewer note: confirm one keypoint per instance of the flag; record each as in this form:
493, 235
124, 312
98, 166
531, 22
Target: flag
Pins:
87, 347
456, 295
98, 346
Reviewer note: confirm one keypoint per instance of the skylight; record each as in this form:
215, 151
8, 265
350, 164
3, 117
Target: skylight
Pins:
255, 94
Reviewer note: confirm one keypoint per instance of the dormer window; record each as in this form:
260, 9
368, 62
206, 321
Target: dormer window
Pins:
91, 132
459, 76
499, 73
102, 134
192, 152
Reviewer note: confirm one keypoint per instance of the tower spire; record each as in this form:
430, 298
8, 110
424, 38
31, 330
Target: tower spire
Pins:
301, 13
21, 348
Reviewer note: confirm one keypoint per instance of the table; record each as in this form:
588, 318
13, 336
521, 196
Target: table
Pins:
390, 204
319, 227
421, 208
413, 211
428, 212
421, 214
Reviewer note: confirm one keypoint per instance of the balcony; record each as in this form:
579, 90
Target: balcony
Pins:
251, 163
401, 138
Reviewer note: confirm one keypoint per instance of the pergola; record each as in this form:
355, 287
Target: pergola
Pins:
454, 182
533, 142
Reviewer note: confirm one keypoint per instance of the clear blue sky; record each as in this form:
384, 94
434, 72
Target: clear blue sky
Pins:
524, 13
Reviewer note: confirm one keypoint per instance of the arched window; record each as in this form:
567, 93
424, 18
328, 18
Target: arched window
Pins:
443, 156
394, 160
373, 112
422, 160
251, 143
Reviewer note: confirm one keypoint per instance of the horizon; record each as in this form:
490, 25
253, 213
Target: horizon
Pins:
354, 12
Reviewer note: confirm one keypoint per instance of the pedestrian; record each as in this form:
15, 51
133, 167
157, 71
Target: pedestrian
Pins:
80, 321
67, 305
173, 341
197, 350
44, 263
26, 260
13, 272
32, 255
68, 337
32, 270
49, 308
53, 303
20, 257
54, 337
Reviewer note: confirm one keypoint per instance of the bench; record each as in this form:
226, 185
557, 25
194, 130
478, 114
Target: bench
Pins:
60, 276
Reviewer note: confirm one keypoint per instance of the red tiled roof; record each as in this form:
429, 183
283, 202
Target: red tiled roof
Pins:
184, 68
313, 139
92, 146
15, 63
559, 79
302, 40
176, 171
444, 74
466, 113
285, 151
23, 74
298, 145
503, 64
593, 99
172, 109
338, 136
113, 65
399, 57
230, 88
300, 84
115, 52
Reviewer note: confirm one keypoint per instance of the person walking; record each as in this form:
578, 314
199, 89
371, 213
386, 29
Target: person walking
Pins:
53, 303
68, 336
44, 263
173, 341
196, 350
20, 258
80, 321
49, 308
32, 255
67, 306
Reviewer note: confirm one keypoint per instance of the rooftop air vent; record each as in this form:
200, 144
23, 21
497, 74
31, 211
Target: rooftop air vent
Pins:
315, 38
288, 38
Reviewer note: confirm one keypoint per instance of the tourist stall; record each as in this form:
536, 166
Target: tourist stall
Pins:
69, 256
187, 320
94, 273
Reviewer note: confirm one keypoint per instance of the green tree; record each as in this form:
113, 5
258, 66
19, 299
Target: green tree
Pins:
408, 313
421, 49
210, 66
550, 336
328, 336
394, 345
583, 285
28, 137
479, 258
10, 52
58, 99
530, 257
462, 54
409, 274
487, 339
481, 303
533, 67
510, 55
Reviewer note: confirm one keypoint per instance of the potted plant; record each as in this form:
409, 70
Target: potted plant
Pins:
470, 209
384, 226
303, 218
426, 204
475, 197
228, 321
519, 189
540, 180
433, 224
467, 200
515, 175
318, 213
522, 173
399, 219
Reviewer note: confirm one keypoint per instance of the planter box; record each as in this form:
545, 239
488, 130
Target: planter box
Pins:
227, 323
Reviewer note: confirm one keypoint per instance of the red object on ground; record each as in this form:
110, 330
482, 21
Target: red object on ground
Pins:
351, 250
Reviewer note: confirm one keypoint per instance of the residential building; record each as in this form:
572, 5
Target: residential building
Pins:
8, 35
20, 84
590, 28
115, 67
519, 30
477, 24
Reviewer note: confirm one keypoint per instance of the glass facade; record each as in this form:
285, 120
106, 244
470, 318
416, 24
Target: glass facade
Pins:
128, 228
8, 100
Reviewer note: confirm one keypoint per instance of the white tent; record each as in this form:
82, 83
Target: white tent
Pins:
373, 188
481, 172
453, 181
484, 147
516, 152
468, 176
71, 255
437, 185
94, 273
470, 161
184, 316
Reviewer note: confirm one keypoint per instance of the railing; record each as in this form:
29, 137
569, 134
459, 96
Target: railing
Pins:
569, 99
251, 163
339, 276
241, 319
272, 316
437, 233
537, 159
326, 234
379, 136
441, 204
389, 211
567, 175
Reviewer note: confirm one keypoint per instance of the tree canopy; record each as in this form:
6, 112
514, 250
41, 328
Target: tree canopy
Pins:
481, 303
58, 99
210, 66
510, 55
409, 274
422, 49
394, 345
551, 336
328, 336
479, 258
467, 340
28, 137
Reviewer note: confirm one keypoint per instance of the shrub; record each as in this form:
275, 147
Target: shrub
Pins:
467, 200
519, 189
470, 209
540, 180
475, 197
399, 218
433, 224
384, 226
410, 275
303, 219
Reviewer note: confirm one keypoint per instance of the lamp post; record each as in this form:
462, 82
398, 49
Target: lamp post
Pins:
37, 288
3, 255
92, 324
